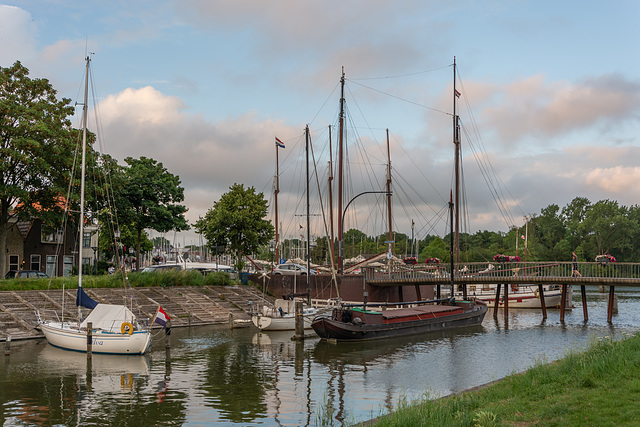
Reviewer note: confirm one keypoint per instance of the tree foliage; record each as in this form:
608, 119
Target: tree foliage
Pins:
36, 149
149, 199
237, 221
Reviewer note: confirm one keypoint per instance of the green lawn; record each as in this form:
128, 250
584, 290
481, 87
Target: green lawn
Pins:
597, 387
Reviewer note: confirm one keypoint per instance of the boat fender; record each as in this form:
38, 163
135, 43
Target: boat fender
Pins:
357, 321
126, 328
535, 292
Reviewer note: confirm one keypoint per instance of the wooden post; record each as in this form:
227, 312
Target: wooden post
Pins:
610, 304
299, 320
506, 302
584, 302
497, 302
230, 320
543, 303
89, 339
563, 302
7, 346
167, 332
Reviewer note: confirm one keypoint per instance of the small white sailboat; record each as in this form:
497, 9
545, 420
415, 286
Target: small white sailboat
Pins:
282, 316
114, 328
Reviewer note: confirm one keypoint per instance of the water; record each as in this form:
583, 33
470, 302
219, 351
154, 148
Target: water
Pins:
216, 376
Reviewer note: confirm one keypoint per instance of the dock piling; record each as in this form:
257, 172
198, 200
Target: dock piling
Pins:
89, 339
543, 303
7, 346
584, 303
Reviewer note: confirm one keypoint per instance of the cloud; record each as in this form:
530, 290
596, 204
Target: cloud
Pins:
615, 180
546, 111
18, 34
208, 157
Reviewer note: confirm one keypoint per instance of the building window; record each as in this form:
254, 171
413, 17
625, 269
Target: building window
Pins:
14, 262
35, 262
86, 239
67, 265
52, 265
47, 237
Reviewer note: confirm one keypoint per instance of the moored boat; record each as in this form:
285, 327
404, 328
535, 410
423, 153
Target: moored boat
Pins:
350, 323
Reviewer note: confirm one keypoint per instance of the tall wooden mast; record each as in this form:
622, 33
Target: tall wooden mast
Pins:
307, 250
456, 142
331, 246
389, 191
276, 190
340, 169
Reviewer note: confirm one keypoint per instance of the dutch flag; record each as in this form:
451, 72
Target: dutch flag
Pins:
161, 317
279, 143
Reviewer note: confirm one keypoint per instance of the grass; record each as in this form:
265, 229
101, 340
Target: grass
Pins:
597, 387
164, 279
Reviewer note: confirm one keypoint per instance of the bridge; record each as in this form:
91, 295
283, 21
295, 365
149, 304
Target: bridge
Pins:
609, 274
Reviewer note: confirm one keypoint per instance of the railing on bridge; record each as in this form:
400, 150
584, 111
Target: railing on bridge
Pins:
507, 272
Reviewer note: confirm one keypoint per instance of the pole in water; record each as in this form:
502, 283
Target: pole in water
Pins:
7, 346
167, 331
299, 320
89, 338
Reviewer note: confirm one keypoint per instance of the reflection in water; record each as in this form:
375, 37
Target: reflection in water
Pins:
212, 375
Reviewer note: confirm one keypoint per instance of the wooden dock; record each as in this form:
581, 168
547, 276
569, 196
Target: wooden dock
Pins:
187, 306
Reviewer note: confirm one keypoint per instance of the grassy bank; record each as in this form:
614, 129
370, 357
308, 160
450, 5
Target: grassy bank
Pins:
597, 387
116, 280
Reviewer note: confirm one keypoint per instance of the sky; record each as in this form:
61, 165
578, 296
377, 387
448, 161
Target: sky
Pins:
550, 98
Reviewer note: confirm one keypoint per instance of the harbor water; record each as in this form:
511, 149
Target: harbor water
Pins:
241, 377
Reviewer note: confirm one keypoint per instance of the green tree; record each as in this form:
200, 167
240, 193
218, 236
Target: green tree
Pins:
549, 231
609, 229
150, 199
573, 214
237, 222
36, 150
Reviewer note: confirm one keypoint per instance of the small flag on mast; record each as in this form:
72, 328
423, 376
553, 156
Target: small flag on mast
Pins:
457, 93
161, 317
279, 143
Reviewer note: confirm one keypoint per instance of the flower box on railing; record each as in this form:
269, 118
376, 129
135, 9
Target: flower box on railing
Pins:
432, 261
605, 259
506, 258
410, 260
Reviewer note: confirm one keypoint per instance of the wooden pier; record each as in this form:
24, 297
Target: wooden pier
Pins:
603, 274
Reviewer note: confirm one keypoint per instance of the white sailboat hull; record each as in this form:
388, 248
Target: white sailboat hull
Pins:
524, 297
69, 337
285, 323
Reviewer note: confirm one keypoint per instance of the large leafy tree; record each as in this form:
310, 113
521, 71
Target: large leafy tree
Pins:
149, 199
237, 221
36, 150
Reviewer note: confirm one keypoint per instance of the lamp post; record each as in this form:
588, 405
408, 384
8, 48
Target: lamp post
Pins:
342, 224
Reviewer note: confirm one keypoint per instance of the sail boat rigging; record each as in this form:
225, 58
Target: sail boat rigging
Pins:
114, 328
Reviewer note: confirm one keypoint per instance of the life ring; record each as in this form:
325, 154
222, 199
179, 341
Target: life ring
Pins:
124, 329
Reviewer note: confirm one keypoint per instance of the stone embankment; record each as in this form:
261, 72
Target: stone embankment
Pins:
186, 306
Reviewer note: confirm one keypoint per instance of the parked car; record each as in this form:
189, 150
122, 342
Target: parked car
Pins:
26, 274
291, 269
161, 267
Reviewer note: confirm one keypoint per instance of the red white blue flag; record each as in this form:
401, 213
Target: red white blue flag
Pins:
457, 93
279, 143
161, 317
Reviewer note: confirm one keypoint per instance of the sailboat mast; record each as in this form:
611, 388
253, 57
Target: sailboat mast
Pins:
340, 168
331, 246
308, 254
456, 142
82, 172
276, 190
389, 192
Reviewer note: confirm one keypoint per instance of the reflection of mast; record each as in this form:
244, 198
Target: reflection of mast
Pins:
340, 167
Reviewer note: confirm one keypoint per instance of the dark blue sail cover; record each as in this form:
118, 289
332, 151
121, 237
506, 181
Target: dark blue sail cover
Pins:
84, 300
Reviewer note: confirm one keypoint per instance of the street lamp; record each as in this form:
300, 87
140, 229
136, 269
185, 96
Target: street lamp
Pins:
342, 224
